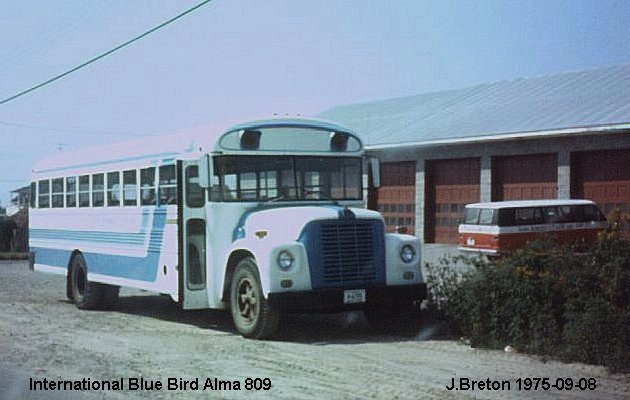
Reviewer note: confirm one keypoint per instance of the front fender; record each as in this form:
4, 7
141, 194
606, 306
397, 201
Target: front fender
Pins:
396, 270
266, 253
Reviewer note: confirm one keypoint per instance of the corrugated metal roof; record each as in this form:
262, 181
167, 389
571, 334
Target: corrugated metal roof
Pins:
552, 102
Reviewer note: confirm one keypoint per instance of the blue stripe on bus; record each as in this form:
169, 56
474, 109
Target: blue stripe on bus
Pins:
137, 268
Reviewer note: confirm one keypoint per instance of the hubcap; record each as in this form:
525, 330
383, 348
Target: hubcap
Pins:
247, 301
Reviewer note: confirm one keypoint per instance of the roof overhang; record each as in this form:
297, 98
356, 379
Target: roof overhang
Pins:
577, 131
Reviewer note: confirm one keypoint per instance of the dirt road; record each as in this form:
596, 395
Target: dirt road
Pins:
43, 336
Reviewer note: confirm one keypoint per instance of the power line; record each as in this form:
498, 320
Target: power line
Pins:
103, 55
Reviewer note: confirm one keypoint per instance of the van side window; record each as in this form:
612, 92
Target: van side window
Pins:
527, 216
592, 213
569, 214
550, 215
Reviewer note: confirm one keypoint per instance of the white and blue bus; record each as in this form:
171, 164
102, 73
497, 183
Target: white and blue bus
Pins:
263, 218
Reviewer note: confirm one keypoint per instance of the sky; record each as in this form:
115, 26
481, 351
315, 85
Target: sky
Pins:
234, 60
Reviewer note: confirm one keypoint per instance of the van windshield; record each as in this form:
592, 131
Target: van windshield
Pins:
269, 178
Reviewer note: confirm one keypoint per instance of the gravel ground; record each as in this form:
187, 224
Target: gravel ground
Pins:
337, 356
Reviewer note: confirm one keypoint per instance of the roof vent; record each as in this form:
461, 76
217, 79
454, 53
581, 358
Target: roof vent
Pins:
250, 139
338, 141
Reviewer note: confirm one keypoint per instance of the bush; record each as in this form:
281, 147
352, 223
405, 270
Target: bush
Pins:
542, 299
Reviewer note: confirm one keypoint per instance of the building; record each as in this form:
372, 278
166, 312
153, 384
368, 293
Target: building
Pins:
556, 136
19, 200
20, 197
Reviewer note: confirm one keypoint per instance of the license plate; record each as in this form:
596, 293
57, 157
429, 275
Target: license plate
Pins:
470, 241
354, 296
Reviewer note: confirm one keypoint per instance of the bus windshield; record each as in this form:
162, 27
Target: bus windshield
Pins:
269, 178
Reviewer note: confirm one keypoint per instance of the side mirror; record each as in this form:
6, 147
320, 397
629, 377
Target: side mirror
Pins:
375, 169
205, 166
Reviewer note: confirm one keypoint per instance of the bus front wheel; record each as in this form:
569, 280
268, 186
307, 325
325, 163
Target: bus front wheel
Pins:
254, 316
88, 295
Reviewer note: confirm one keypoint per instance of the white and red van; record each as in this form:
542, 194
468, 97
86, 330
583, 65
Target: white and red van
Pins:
499, 227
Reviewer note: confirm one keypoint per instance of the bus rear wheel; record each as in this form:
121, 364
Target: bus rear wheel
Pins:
88, 295
254, 316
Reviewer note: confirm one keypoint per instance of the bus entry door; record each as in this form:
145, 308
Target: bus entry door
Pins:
193, 292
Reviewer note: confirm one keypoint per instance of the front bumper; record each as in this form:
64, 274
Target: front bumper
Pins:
331, 299
490, 252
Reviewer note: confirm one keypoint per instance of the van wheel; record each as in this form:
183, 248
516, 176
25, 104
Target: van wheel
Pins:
88, 295
254, 316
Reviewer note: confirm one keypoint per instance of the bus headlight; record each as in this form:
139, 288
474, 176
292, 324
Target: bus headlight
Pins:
407, 254
285, 260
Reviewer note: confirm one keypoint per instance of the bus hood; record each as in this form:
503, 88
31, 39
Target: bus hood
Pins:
286, 223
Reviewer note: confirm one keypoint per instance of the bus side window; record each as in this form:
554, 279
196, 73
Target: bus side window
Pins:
130, 186
167, 185
113, 189
71, 191
57, 193
44, 193
195, 195
98, 190
147, 186
84, 191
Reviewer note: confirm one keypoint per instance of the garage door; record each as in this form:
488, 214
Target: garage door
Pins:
527, 177
604, 177
396, 198
449, 186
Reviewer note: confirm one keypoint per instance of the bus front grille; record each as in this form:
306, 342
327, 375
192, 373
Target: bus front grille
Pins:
345, 252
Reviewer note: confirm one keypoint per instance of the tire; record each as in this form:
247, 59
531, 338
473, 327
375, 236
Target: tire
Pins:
253, 315
88, 295
400, 318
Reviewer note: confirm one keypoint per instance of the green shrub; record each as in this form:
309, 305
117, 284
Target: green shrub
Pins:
542, 299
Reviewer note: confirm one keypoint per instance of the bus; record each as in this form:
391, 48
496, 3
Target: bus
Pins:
263, 218
497, 228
